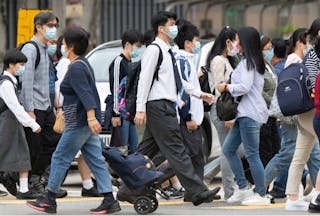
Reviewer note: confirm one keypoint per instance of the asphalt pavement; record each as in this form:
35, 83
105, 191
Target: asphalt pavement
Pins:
74, 204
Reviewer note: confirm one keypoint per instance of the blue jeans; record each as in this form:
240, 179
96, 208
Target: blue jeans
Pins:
129, 135
247, 131
280, 163
73, 140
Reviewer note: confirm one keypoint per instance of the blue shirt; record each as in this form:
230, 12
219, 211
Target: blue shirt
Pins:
80, 94
249, 83
279, 66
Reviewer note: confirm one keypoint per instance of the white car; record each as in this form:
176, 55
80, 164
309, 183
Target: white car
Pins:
100, 59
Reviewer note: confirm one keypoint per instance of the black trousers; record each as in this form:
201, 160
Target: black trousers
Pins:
42, 145
162, 133
193, 144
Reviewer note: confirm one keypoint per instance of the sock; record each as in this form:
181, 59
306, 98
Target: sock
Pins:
23, 182
177, 185
87, 184
315, 195
108, 197
51, 197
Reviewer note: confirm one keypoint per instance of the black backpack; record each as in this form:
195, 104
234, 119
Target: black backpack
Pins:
205, 87
37, 48
3, 106
132, 82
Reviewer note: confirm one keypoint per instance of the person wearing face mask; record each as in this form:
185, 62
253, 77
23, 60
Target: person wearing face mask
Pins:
157, 102
119, 68
52, 48
35, 97
14, 152
191, 115
221, 61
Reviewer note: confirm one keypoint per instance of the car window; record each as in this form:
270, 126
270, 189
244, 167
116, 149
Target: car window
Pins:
100, 61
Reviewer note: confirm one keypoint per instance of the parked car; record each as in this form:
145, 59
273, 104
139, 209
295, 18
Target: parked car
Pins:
100, 59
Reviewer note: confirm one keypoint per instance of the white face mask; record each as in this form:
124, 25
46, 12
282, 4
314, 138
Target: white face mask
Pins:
233, 51
63, 51
20, 71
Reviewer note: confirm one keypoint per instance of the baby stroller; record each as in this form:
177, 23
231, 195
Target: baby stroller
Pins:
140, 178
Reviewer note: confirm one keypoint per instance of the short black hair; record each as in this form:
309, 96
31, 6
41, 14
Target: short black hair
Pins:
279, 47
78, 38
131, 36
148, 37
43, 18
187, 31
161, 18
13, 56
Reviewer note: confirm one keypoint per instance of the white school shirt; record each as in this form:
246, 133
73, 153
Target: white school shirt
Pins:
8, 94
196, 104
165, 87
62, 68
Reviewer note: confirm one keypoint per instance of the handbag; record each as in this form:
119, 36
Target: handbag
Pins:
227, 106
59, 124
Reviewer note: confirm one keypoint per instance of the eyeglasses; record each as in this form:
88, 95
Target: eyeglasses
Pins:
51, 25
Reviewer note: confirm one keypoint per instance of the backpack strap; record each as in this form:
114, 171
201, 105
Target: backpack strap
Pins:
37, 49
160, 59
183, 61
3, 106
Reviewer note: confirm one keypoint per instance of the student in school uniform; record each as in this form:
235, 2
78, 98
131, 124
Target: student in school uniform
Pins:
14, 151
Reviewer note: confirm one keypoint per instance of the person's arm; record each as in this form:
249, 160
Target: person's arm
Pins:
116, 82
245, 83
9, 97
312, 64
28, 77
148, 65
217, 72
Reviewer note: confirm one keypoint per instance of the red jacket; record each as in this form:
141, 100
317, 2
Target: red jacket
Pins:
317, 95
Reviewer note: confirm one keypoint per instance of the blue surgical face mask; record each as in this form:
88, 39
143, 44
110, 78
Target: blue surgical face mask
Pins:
52, 49
63, 51
197, 48
173, 32
136, 52
269, 54
20, 71
51, 33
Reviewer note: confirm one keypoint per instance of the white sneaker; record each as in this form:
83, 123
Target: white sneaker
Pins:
256, 199
239, 195
309, 197
298, 205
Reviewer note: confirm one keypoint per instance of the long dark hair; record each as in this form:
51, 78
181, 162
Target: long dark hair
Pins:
219, 45
251, 47
298, 35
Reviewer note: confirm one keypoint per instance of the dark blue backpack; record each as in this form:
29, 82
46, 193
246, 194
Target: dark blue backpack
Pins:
136, 170
294, 90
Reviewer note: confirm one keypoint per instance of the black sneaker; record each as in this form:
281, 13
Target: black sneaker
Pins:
27, 195
92, 192
43, 204
106, 208
3, 193
205, 197
277, 194
173, 192
10, 185
62, 193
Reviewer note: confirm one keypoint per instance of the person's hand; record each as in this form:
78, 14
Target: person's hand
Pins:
221, 87
140, 118
116, 121
191, 125
228, 124
32, 115
209, 98
38, 131
95, 126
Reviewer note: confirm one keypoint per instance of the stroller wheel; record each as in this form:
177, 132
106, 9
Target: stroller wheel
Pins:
154, 203
143, 205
